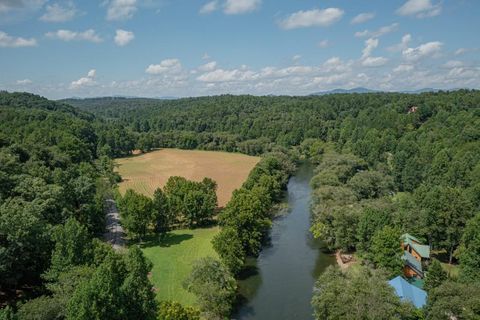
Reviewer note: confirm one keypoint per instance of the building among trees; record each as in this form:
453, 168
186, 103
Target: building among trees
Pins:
415, 256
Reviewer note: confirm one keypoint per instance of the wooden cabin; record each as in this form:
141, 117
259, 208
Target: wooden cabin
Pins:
415, 256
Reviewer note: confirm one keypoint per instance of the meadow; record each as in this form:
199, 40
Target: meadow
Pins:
172, 259
146, 172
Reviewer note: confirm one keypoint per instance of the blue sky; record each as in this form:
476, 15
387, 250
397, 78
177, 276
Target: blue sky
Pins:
182, 48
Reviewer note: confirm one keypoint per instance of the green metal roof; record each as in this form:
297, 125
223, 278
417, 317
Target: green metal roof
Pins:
423, 250
412, 262
406, 237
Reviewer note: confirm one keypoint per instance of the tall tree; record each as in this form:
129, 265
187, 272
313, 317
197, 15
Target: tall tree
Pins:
161, 212
446, 212
386, 251
435, 276
214, 287
73, 247
470, 251
136, 211
229, 247
360, 294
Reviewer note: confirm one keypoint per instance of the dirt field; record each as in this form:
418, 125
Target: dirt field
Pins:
144, 173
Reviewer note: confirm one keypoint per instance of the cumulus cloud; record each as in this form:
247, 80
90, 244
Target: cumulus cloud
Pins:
24, 82
241, 6
370, 45
7, 41
171, 66
67, 35
210, 66
367, 60
402, 45
221, 75
89, 80
403, 68
378, 33
363, 17
123, 37
121, 9
209, 7
374, 61
312, 18
59, 13
429, 49
420, 8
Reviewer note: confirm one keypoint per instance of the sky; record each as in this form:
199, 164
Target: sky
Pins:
179, 48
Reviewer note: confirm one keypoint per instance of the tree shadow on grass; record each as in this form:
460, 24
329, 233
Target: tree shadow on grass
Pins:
165, 240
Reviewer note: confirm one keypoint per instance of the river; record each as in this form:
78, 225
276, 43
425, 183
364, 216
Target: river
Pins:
280, 281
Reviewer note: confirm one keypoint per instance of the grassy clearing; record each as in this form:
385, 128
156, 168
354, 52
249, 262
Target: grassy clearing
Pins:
146, 172
451, 269
172, 260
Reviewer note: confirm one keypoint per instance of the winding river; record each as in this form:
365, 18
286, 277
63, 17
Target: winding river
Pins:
278, 285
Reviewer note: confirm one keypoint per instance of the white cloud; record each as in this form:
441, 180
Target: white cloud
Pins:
24, 82
312, 18
123, 37
210, 66
171, 66
89, 80
7, 41
121, 9
323, 44
367, 60
453, 64
429, 49
402, 45
403, 68
58, 13
363, 17
209, 7
234, 75
68, 35
205, 56
296, 58
462, 51
370, 45
420, 8
241, 6
378, 33
374, 61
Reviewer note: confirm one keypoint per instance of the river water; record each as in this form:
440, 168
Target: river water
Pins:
279, 283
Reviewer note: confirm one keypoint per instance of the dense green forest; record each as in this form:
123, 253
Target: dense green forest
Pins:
387, 163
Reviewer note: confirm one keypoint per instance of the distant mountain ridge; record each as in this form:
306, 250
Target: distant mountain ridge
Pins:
366, 90
341, 90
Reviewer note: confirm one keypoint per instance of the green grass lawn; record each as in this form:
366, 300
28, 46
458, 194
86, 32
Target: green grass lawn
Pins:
172, 260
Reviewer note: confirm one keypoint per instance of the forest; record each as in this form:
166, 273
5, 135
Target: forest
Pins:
387, 163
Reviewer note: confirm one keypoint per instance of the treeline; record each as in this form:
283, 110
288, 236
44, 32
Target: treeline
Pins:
412, 170
181, 203
245, 222
53, 186
246, 219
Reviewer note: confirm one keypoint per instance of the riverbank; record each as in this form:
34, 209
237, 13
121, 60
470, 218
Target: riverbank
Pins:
281, 279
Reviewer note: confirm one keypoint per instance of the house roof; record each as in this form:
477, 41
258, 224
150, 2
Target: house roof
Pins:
422, 250
407, 238
408, 292
412, 262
